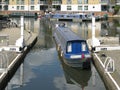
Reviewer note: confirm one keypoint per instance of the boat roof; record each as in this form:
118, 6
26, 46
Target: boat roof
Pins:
68, 34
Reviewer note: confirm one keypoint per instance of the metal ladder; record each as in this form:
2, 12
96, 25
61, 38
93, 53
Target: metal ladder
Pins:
4, 61
109, 65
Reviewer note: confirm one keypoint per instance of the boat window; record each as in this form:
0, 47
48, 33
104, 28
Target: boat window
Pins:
83, 46
69, 47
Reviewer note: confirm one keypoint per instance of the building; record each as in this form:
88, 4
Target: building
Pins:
50, 4
4, 5
23, 5
60, 5
33, 5
84, 5
117, 2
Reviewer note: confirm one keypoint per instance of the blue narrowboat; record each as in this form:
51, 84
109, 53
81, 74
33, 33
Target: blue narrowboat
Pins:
72, 48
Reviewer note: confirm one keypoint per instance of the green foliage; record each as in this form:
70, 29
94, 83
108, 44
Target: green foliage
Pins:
116, 9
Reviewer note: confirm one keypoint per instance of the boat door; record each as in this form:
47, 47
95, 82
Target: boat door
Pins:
76, 47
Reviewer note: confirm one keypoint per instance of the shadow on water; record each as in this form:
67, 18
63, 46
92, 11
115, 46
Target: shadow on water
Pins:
45, 36
77, 76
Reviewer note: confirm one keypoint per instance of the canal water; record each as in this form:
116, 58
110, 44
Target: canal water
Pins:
43, 69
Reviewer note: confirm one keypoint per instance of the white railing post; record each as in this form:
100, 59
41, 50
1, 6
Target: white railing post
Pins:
95, 42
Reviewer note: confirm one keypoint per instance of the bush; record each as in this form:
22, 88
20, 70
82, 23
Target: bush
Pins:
116, 9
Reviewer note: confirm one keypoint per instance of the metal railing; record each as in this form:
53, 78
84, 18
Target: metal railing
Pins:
4, 62
56, 2
42, 2
104, 1
109, 65
4, 3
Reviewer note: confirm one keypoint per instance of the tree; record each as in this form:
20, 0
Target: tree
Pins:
116, 9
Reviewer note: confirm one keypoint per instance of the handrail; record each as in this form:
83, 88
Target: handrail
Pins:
109, 65
112, 79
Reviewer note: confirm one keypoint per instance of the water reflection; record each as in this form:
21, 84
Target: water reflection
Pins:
30, 24
76, 76
110, 27
19, 78
103, 28
80, 28
44, 36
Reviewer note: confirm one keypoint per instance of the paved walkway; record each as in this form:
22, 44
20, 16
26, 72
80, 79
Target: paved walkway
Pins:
14, 34
115, 55
5, 59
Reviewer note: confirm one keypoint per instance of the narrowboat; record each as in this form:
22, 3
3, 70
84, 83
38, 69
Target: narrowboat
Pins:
72, 48
75, 17
70, 17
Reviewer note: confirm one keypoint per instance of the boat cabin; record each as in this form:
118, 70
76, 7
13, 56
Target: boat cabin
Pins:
72, 48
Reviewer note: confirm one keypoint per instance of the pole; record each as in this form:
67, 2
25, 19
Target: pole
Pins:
22, 30
20, 41
93, 27
22, 26
95, 41
93, 30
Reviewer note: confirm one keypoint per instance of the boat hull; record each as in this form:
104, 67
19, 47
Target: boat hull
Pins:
78, 63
